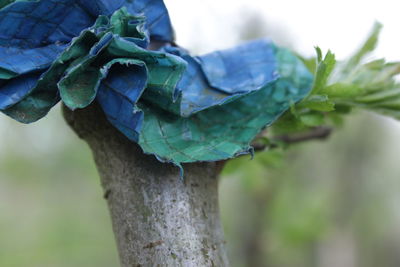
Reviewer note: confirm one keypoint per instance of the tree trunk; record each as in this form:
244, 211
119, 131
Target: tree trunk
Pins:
158, 218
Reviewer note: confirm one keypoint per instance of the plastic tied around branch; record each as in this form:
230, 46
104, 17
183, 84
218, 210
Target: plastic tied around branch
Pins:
178, 107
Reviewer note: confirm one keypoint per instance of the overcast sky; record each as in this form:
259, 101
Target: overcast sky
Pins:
340, 25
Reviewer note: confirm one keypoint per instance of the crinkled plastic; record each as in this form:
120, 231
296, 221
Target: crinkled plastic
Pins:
225, 131
220, 77
178, 107
30, 44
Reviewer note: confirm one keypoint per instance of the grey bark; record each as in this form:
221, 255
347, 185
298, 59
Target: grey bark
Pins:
158, 219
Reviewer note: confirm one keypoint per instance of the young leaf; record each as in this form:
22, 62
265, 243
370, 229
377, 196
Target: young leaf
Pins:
318, 103
324, 70
312, 119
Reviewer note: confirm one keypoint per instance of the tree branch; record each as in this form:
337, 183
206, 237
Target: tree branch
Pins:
158, 218
317, 133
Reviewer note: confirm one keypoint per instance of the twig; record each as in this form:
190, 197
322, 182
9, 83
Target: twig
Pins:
317, 133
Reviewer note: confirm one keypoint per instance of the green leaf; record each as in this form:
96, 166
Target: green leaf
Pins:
287, 124
379, 96
319, 54
336, 118
342, 109
318, 103
324, 70
313, 119
338, 88
342, 90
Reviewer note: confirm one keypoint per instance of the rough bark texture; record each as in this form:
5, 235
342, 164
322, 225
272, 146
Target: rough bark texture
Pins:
158, 219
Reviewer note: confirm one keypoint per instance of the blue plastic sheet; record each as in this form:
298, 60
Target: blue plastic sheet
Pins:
223, 76
118, 97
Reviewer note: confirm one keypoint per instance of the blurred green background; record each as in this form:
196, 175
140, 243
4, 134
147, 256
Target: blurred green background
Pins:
319, 204
323, 204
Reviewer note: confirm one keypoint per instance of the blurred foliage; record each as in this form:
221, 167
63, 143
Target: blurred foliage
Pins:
305, 206
324, 204
51, 207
